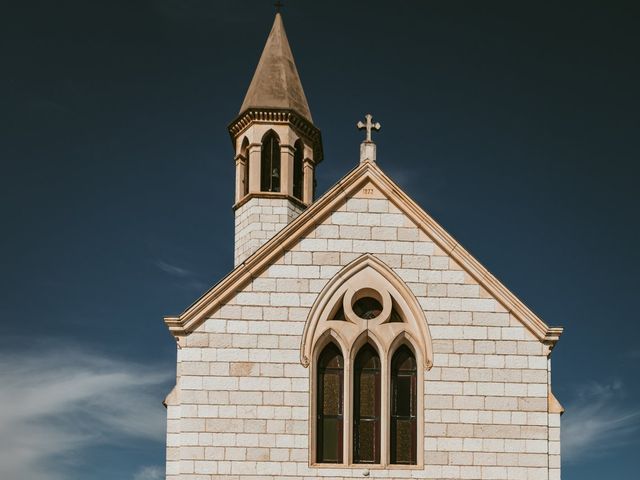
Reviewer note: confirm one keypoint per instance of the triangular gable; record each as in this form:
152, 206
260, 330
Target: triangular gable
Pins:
350, 185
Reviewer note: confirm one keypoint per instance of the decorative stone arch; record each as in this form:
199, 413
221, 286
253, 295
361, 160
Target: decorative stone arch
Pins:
368, 276
392, 318
270, 132
405, 339
243, 147
365, 337
329, 336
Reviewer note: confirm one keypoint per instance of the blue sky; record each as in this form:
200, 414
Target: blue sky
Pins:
516, 126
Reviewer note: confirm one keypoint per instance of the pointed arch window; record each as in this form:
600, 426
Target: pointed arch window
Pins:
383, 334
366, 408
330, 405
270, 163
245, 177
403, 407
298, 179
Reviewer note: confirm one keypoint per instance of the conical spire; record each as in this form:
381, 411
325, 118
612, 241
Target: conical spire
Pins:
276, 83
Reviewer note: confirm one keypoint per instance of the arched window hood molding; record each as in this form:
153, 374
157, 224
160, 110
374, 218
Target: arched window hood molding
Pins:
367, 275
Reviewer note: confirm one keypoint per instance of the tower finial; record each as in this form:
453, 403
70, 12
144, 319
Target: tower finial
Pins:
368, 148
278, 6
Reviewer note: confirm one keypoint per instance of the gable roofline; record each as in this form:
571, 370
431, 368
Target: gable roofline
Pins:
284, 240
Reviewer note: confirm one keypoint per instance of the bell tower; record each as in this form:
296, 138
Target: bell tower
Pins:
277, 148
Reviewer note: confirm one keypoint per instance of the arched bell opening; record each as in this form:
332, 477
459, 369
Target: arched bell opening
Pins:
244, 155
270, 170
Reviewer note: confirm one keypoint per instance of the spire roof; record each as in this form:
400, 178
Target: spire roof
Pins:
276, 83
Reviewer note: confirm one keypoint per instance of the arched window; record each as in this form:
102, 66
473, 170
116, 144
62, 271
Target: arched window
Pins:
366, 406
270, 163
403, 407
298, 179
383, 334
245, 154
330, 405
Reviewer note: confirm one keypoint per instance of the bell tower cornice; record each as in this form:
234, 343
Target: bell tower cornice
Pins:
278, 116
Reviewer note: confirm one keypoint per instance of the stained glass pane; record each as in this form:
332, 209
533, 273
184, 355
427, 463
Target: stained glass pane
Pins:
367, 308
333, 363
330, 358
339, 315
395, 316
402, 447
368, 359
331, 384
403, 401
403, 396
330, 440
367, 406
329, 405
367, 441
407, 363
367, 395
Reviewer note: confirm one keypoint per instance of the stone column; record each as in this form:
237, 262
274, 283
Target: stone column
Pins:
254, 167
307, 185
286, 169
241, 165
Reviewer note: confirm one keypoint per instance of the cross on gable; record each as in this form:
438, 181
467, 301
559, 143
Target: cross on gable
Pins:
369, 125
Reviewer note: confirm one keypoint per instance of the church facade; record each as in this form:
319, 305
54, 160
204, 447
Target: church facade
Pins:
355, 337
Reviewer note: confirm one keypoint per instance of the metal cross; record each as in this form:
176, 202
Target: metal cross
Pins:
369, 126
278, 6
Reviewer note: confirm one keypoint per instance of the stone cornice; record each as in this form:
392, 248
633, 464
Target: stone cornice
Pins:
366, 172
269, 195
278, 115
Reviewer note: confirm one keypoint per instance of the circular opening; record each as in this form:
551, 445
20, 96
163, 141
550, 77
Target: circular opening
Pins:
367, 308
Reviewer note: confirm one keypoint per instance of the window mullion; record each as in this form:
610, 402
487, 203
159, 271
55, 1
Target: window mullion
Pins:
347, 430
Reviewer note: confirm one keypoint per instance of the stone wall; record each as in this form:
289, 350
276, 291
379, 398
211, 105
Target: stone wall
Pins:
258, 220
241, 404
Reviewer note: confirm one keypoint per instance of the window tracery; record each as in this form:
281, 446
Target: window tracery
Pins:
371, 316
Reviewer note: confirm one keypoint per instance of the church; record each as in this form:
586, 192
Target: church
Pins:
354, 337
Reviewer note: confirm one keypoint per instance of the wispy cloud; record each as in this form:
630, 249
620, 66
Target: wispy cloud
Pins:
597, 421
57, 403
149, 473
184, 278
173, 269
